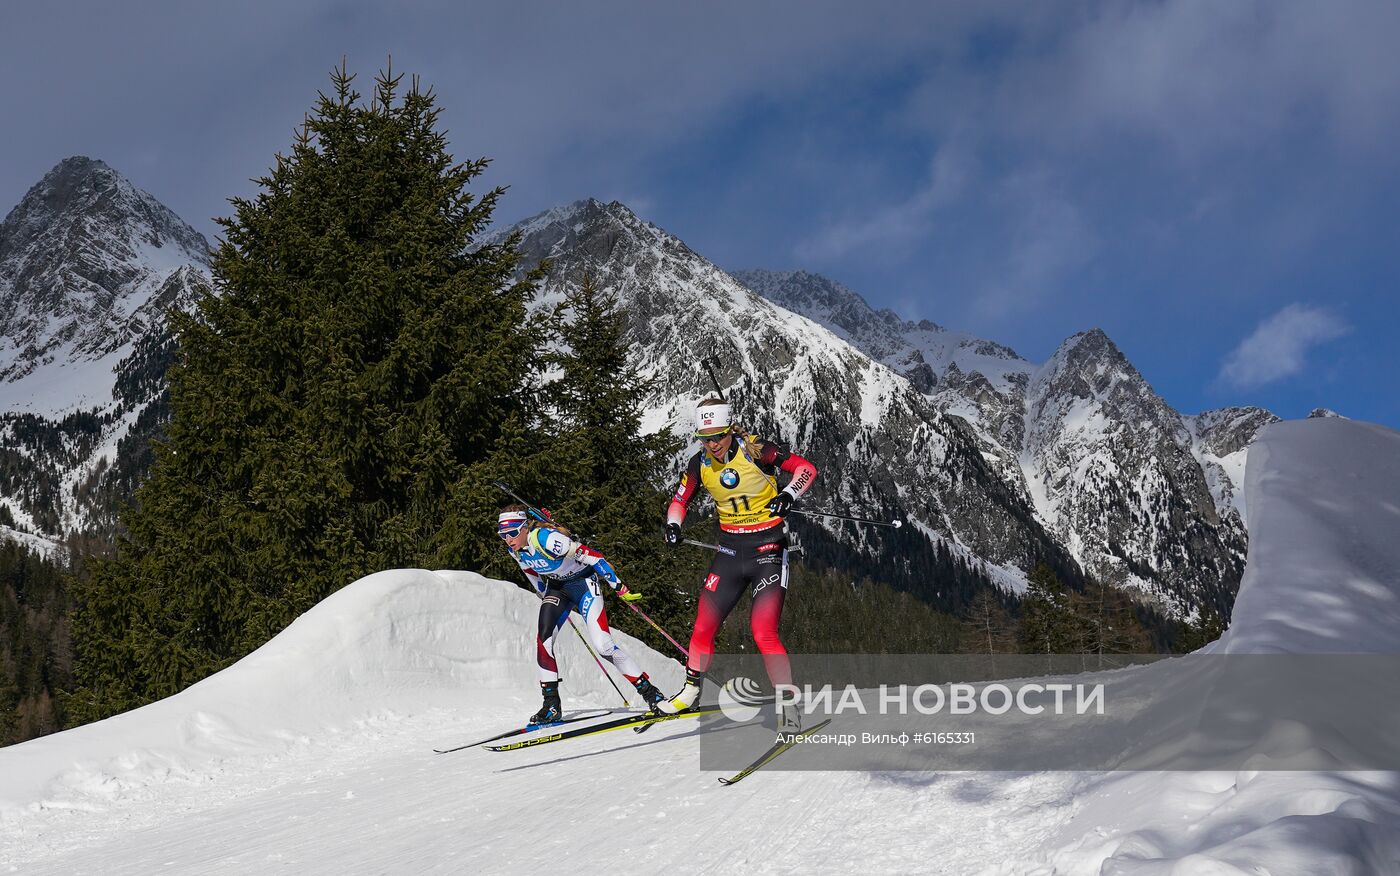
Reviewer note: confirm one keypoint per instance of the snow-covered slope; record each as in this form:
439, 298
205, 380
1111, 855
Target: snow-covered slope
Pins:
404, 641
1324, 496
313, 755
47, 547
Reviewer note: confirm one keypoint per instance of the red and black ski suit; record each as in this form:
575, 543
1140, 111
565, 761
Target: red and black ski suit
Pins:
753, 542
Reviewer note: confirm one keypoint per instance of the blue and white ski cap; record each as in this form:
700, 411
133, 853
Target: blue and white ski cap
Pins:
509, 521
711, 418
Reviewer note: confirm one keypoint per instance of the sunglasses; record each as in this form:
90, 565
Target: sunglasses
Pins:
712, 439
512, 532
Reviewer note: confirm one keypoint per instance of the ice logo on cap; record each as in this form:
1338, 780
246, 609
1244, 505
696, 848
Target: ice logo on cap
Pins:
712, 416
740, 699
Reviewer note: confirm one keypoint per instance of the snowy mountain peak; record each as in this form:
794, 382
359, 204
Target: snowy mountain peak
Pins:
84, 188
82, 257
1089, 366
1088, 349
1142, 496
927, 354
807, 293
562, 225
1220, 443
1324, 413
1228, 430
587, 234
1124, 478
90, 265
562, 216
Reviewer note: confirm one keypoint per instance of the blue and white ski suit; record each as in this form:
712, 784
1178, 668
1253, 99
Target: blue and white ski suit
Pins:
565, 573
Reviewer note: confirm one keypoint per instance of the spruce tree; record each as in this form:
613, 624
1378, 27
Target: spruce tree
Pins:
338, 405
34, 661
1048, 623
1196, 634
604, 477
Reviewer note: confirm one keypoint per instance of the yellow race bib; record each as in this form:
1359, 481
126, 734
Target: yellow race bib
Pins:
740, 488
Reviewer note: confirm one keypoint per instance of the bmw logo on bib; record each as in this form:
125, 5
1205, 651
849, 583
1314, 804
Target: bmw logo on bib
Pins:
729, 477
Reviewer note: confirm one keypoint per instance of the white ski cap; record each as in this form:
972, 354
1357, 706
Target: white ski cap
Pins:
711, 419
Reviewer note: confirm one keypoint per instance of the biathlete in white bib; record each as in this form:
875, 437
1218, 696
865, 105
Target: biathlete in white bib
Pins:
565, 574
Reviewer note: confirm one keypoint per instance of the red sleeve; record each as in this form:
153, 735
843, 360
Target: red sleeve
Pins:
685, 491
775, 456
804, 474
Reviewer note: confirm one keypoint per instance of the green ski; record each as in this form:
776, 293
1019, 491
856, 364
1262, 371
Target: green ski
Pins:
768, 756
618, 724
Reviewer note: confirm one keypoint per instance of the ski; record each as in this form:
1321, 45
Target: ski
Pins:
620, 723
769, 755
528, 728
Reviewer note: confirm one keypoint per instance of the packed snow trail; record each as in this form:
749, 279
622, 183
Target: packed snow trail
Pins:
314, 754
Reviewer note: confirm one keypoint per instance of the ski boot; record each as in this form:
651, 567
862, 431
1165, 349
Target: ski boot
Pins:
650, 692
789, 719
687, 698
551, 711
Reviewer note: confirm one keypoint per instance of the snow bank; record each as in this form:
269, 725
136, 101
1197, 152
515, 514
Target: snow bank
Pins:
1323, 577
391, 644
1324, 541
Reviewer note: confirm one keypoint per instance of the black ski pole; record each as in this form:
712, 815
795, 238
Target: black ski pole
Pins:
596, 659
893, 524
718, 391
713, 547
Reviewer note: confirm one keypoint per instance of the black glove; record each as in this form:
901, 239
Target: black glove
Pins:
673, 534
780, 505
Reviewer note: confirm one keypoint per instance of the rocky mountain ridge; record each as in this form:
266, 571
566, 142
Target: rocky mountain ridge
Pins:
89, 267
998, 460
1140, 495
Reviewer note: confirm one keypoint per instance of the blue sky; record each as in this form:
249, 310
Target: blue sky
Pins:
1213, 184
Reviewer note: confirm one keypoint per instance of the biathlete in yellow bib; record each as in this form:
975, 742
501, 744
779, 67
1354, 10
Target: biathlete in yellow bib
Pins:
743, 473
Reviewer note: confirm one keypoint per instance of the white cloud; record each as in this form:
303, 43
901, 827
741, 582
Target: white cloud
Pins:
1197, 78
1067, 139
1279, 347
